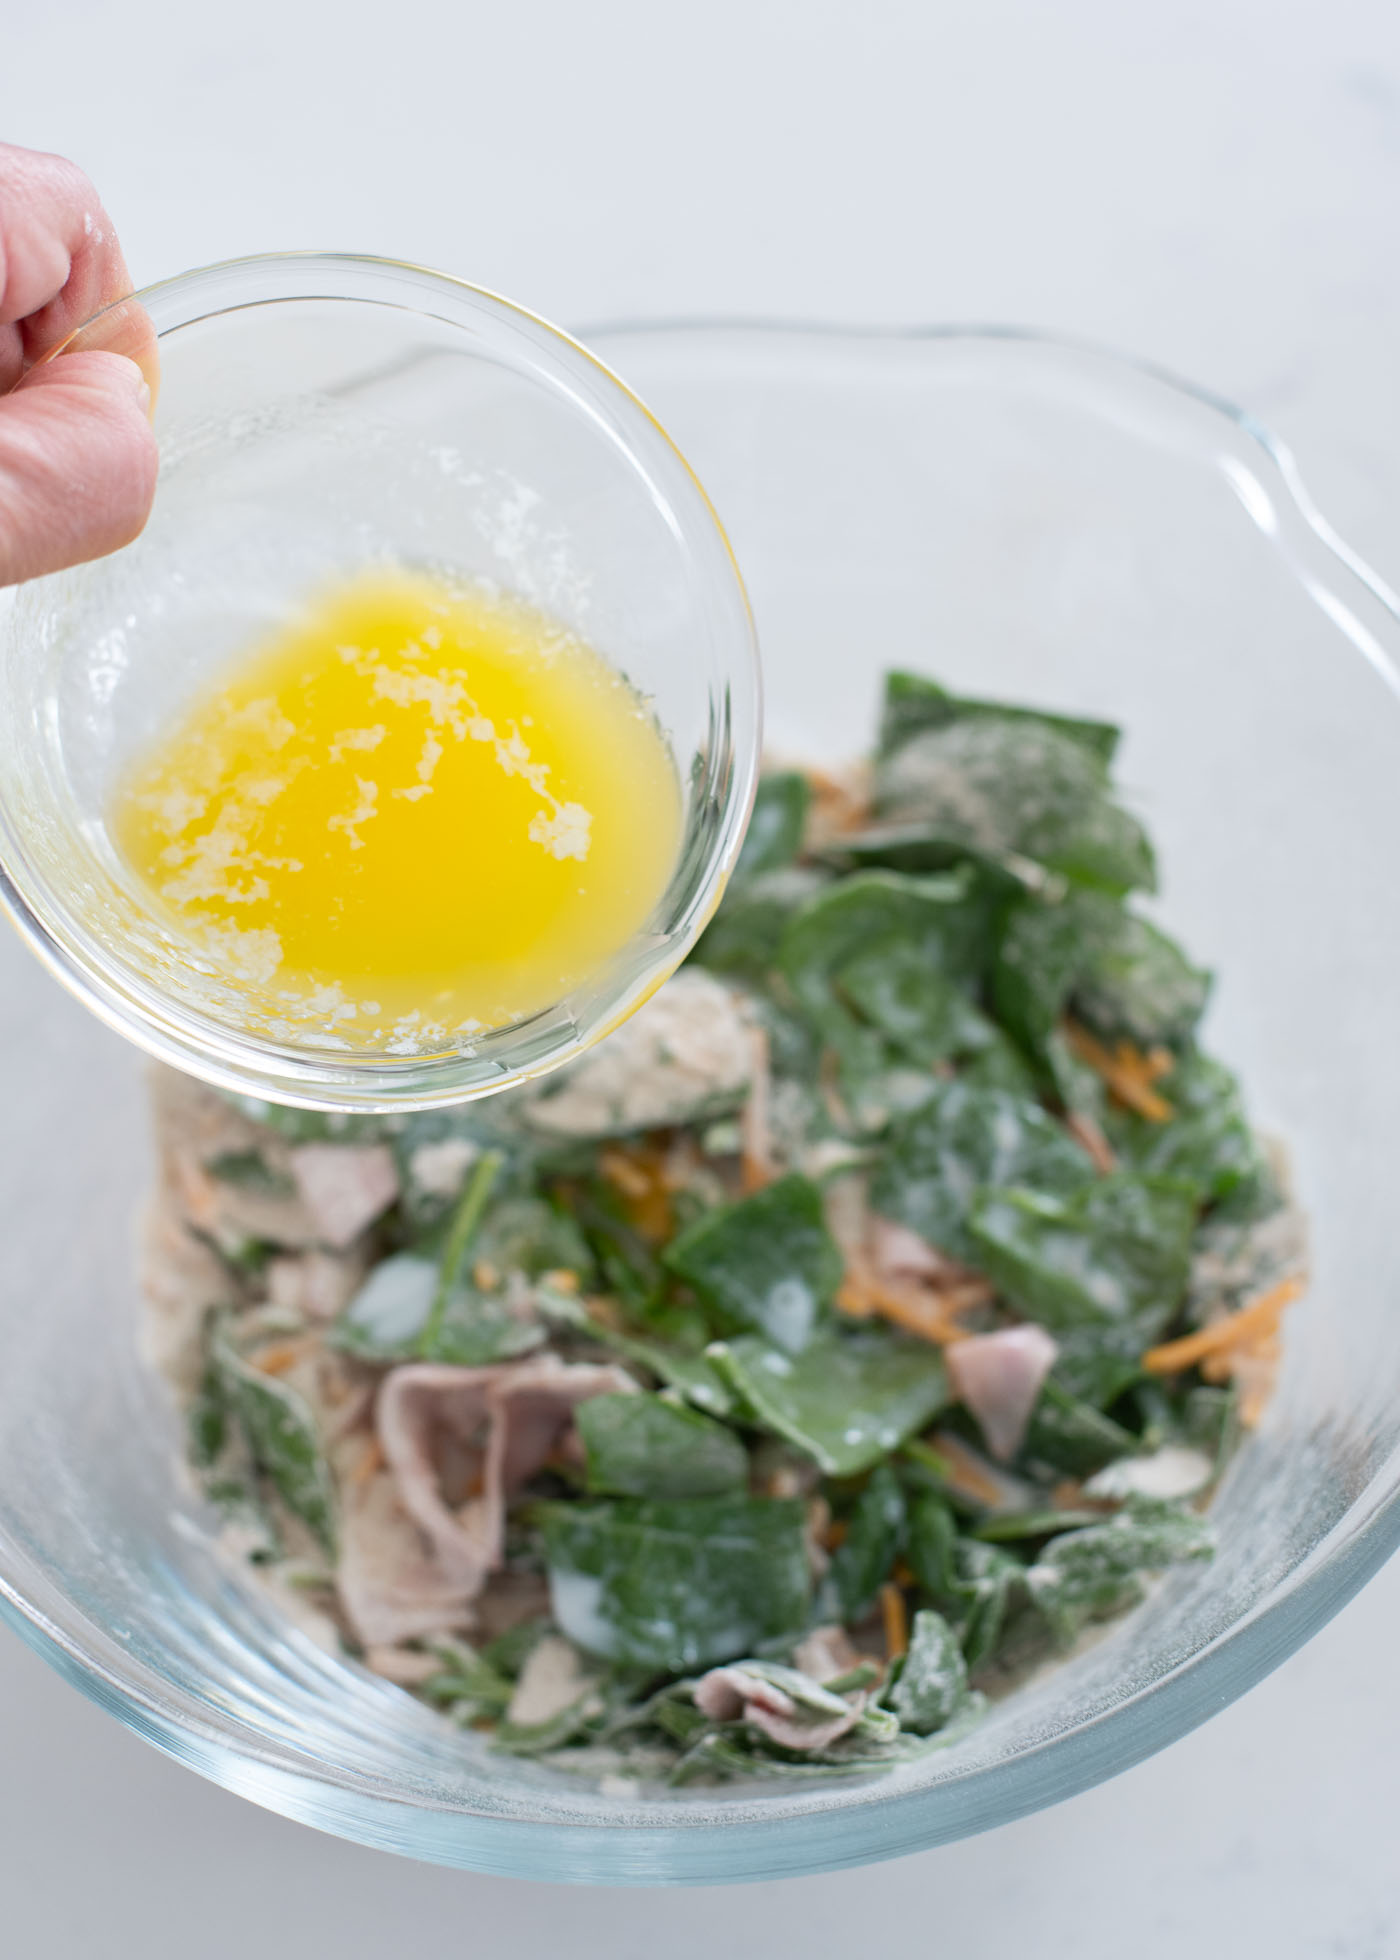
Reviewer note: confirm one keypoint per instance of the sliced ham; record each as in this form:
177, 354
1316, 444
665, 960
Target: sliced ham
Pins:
826, 1653
739, 1693
344, 1187
317, 1285
391, 1586
460, 1442
999, 1378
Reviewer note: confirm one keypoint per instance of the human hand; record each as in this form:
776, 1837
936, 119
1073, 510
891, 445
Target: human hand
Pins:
77, 456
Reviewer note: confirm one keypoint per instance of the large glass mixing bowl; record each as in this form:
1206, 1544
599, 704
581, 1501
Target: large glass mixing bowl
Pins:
1019, 518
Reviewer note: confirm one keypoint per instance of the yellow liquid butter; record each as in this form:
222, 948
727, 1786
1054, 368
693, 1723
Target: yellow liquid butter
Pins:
411, 815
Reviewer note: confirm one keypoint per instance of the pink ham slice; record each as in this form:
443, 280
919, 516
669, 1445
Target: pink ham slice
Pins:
344, 1187
391, 1585
493, 1427
729, 1694
999, 1378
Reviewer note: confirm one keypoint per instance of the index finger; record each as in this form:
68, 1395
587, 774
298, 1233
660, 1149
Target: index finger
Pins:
60, 261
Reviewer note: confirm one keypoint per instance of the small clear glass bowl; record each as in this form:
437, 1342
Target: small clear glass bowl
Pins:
316, 414
1023, 519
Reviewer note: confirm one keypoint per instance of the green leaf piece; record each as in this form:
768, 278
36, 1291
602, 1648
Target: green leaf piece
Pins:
1072, 1438
946, 919
847, 1400
765, 1264
676, 1586
249, 1170
1208, 1144
874, 1539
1008, 790
917, 1007
641, 1446
1104, 1269
1140, 986
913, 703
1044, 947
1087, 1574
936, 1160
774, 835
281, 1437
931, 1683
744, 936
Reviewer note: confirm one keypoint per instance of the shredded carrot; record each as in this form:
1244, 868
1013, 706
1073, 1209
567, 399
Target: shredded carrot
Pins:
1092, 1141
639, 1175
931, 1313
282, 1355
606, 1312
485, 1275
895, 1616
562, 1279
968, 1476
834, 1534
1226, 1335
1126, 1071
625, 1174
840, 804
370, 1462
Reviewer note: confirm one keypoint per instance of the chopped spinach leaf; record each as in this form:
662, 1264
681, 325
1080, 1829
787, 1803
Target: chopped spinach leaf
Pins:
281, 1437
921, 1011
679, 1585
913, 703
874, 1539
1207, 1144
1006, 791
1139, 986
847, 1400
929, 1684
936, 1160
1086, 1574
1105, 1269
642, 1446
745, 934
774, 835
765, 1263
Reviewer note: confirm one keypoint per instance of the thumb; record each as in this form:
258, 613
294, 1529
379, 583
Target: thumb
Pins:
77, 463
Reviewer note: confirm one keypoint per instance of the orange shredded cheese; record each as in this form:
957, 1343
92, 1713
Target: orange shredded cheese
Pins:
1091, 1141
967, 1475
1225, 1336
639, 1175
840, 804
1127, 1073
895, 1616
929, 1312
283, 1355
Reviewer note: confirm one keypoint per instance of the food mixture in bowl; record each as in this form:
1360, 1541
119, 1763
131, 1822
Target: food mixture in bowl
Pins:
825, 1350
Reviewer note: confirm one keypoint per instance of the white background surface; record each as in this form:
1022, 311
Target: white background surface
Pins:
1212, 183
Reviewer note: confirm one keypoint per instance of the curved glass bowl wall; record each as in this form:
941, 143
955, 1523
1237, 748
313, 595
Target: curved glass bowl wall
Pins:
1021, 519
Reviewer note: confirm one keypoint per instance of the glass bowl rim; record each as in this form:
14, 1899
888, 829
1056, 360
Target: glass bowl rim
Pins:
867, 1822
502, 1057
